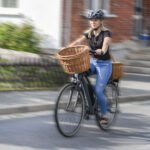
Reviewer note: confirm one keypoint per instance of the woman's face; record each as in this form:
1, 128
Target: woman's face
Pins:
95, 23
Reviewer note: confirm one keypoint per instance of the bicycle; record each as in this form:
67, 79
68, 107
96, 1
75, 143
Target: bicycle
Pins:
77, 101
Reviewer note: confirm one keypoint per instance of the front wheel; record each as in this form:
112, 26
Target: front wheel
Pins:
69, 110
111, 92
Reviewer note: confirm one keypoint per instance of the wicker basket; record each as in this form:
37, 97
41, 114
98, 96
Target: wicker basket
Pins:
117, 70
74, 59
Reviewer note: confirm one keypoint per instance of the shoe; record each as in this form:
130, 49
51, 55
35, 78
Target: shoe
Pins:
103, 120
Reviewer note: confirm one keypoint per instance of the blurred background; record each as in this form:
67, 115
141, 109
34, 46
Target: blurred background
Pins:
31, 34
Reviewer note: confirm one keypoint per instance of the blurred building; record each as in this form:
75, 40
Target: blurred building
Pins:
60, 21
43, 14
126, 18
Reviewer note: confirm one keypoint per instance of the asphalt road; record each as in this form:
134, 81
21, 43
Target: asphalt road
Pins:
37, 131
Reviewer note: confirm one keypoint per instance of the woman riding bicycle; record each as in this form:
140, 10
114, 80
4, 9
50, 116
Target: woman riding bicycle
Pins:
99, 39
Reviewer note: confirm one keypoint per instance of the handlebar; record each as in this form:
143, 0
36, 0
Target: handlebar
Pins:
92, 52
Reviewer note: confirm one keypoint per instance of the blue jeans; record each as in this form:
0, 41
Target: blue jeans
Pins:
103, 70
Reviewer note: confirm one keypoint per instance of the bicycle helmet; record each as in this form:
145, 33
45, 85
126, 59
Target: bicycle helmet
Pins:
98, 14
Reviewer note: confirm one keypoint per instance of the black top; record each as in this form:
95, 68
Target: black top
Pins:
96, 42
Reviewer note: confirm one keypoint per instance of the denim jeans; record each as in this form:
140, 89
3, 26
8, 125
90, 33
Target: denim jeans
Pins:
103, 70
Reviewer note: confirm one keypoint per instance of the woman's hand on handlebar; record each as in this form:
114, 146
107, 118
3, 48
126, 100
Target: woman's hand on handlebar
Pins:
99, 52
96, 52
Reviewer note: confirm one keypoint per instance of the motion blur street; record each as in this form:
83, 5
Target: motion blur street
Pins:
37, 131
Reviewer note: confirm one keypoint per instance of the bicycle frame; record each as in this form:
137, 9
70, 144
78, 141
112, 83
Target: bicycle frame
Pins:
87, 90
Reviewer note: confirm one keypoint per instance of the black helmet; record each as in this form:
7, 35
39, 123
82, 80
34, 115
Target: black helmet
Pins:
98, 14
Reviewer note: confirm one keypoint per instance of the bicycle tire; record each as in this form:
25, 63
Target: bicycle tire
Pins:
71, 108
111, 92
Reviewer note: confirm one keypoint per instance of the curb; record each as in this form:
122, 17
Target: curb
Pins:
134, 98
26, 109
51, 106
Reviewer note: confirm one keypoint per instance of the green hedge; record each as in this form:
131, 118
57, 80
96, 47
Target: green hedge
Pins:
19, 37
31, 77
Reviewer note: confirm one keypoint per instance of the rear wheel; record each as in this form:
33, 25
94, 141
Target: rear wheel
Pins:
111, 93
69, 110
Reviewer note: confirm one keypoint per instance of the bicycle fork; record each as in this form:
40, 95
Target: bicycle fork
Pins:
70, 104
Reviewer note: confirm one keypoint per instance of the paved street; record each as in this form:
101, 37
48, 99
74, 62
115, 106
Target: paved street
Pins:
37, 131
31, 101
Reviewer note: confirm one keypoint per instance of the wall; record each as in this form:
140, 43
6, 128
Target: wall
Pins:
121, 26
146, 14
73, 24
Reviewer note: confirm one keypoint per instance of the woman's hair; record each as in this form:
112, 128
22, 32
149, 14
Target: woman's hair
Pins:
89, 31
